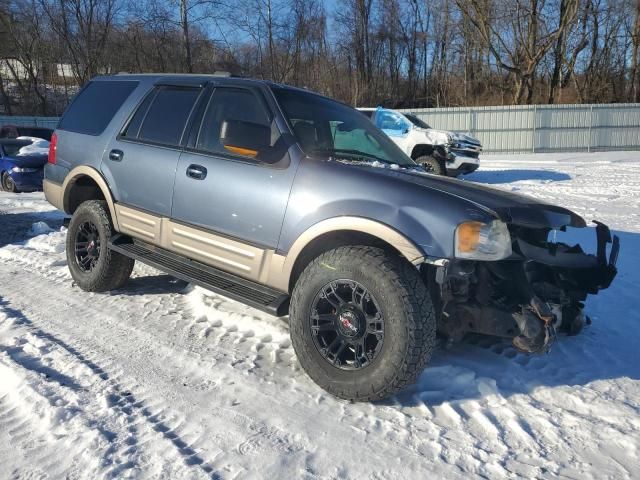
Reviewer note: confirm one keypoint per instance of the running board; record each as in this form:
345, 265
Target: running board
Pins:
237, 288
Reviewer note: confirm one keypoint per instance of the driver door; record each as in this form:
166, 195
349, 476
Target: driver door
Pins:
236, 178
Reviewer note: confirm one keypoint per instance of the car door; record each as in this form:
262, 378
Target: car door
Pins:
235, 177
140, 163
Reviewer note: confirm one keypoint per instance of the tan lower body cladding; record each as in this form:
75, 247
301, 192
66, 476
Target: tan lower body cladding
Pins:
260, 265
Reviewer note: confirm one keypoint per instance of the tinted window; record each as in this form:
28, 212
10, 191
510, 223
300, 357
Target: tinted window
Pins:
167, 115
95, 106
237, 122
133, 129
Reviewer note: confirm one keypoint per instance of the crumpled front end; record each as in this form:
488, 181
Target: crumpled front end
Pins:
539, 290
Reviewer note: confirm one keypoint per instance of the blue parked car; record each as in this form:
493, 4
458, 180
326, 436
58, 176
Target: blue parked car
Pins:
22, 162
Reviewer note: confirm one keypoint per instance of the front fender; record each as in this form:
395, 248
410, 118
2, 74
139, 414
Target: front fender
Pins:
426, 218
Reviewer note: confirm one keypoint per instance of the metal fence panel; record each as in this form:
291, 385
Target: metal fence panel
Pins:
543, 128
48, 122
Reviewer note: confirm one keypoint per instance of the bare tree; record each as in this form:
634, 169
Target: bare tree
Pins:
365, 52
519, 34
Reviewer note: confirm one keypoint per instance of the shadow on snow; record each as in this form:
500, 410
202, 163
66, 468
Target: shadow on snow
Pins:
515, 175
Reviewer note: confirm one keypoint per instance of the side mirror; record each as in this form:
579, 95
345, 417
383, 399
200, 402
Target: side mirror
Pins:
244, 138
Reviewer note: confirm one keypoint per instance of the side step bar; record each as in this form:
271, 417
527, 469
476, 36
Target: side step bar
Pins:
237, 288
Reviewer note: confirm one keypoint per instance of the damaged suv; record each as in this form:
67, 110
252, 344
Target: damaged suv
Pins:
298, 205
438, 151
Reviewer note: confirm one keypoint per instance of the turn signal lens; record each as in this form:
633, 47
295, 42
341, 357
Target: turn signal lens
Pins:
483, 241
469, 236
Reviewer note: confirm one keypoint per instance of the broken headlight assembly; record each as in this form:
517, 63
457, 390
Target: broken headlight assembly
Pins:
482, 241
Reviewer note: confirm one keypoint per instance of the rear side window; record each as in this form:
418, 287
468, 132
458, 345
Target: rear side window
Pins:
95, 106
162, 116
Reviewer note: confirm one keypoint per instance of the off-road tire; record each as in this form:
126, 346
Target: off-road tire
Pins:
8, 185
431, 164
112, 269
410, 322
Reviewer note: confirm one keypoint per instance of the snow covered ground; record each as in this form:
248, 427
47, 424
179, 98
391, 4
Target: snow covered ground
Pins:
160, 380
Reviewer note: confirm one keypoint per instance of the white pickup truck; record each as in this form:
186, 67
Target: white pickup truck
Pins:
442, 152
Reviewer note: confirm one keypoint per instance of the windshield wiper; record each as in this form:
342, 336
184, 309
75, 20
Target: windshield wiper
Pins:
357, 153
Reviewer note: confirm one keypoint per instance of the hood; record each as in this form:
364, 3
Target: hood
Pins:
515, 209
34, 160
462, 137
441, 137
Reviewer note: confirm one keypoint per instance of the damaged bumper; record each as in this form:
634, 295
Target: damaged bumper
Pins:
540, 289
590, 273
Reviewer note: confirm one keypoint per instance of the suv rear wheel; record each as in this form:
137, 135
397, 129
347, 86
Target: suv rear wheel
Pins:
93, 266
362, 323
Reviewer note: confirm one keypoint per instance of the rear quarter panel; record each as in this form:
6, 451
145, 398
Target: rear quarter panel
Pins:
82, 149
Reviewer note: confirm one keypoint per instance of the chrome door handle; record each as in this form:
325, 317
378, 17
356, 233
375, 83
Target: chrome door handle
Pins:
196, 171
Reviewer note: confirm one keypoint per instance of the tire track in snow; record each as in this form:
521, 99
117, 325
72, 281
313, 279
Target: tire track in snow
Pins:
224, 349
120, 401
226, 341
228, 338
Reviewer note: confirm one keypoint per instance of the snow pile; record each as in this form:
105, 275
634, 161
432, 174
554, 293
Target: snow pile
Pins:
159, 381
38, 147
40, 228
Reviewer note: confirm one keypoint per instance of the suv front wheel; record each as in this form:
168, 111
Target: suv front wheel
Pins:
362, 323
432, 164
93, 266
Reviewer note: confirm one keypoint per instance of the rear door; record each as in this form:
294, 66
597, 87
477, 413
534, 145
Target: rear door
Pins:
140, 163
235, 177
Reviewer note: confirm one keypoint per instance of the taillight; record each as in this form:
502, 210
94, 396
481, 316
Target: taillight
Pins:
53, 145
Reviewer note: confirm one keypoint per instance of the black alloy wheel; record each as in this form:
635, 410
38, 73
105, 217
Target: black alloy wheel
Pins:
347, 325
87, 246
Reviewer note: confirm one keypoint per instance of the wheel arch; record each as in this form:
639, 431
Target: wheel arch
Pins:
341, 231
86, 183
422, 149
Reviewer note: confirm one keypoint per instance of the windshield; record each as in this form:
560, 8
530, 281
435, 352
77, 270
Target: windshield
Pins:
324, 127
416, 121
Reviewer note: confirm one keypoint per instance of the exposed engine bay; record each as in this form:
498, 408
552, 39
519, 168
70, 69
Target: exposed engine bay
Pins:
539, 290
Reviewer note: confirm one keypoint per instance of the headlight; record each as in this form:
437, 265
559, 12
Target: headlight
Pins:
482, 241
23, 170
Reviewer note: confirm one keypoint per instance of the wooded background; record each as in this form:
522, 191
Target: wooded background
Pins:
397, 53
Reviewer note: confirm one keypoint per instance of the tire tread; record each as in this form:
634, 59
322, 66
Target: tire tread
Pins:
118, 267
420, 326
